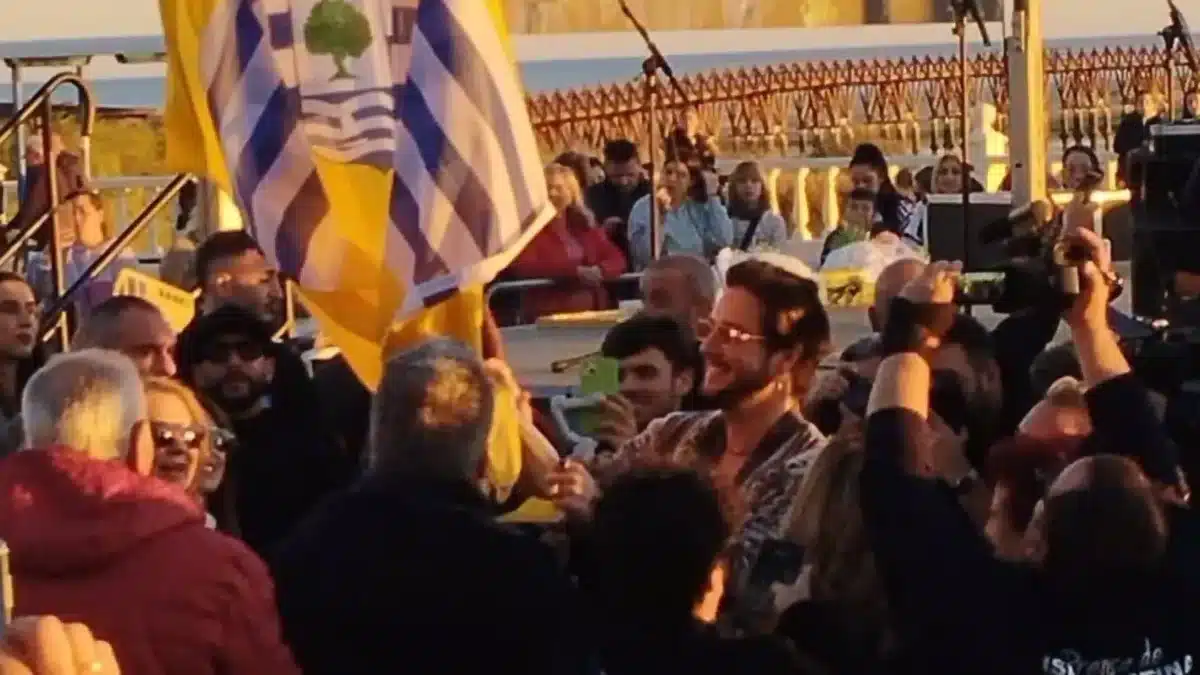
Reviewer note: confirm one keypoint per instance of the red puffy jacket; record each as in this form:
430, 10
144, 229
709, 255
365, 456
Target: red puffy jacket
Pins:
94, 542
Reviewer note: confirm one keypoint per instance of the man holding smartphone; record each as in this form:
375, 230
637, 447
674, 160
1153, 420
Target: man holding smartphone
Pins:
657, 363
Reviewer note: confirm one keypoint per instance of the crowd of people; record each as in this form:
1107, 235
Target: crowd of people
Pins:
604, 205
936, 497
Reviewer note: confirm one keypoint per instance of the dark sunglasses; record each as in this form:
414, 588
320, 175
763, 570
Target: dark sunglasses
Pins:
221, 352
170, 435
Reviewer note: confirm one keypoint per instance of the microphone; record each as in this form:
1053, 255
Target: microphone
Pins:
1037, 213
1180, 31
971, 8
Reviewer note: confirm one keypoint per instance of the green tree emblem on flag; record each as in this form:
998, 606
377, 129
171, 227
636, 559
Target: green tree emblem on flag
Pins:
337, 28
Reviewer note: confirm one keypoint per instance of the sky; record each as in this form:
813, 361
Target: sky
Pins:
58, 19
36, 19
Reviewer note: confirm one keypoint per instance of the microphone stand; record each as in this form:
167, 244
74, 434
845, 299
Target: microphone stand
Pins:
650, 68
964, 9
1170, 35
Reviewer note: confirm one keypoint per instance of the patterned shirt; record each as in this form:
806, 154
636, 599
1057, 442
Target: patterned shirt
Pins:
766, 484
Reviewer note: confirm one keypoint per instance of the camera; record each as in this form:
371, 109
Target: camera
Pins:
1042, 266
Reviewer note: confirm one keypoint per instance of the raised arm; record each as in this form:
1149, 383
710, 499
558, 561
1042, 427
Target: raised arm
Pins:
928, 550
1123, 417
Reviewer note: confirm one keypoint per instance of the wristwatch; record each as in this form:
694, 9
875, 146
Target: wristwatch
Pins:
964, 485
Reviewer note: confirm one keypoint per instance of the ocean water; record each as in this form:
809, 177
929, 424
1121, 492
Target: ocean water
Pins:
549, 75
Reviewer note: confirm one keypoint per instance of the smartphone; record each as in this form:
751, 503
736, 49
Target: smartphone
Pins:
601, 375
979, 288
779, 562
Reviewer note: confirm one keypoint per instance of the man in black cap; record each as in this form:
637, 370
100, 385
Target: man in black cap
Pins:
287, 459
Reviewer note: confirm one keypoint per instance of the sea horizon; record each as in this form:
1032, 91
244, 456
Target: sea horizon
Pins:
543, 72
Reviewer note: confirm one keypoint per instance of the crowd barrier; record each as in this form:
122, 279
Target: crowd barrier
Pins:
506, 313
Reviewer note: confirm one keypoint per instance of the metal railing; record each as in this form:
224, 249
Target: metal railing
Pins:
41, 100
55, 317
826, 107
506, 287
124, 197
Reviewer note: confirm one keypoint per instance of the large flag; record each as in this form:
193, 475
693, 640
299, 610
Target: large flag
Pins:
380, 151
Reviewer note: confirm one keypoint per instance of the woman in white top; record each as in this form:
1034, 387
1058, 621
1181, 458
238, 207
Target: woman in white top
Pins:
755, 225
693, 223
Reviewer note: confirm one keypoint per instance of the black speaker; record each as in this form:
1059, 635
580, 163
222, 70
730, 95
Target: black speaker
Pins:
1165, 182
945, 229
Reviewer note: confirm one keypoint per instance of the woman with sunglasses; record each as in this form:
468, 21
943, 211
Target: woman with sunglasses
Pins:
190, 450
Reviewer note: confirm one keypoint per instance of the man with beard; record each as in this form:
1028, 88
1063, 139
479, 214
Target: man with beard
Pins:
232, 269
766, 326
286, 459
624, 183
658, 368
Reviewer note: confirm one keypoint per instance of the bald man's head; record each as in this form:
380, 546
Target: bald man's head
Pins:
1103, 523
891, 280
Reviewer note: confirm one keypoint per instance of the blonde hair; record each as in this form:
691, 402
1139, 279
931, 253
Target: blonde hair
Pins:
567, 174
200, 417
827, 520
1067, 392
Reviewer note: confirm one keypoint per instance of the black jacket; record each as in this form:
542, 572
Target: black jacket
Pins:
694, 649
607, 201
417, 577
961, 610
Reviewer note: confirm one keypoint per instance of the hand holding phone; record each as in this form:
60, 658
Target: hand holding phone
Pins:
616, 422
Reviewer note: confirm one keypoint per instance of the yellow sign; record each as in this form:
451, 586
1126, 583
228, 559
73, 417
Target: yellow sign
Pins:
176, 304
847, 288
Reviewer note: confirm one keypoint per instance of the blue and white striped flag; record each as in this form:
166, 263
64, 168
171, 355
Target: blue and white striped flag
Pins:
424, 89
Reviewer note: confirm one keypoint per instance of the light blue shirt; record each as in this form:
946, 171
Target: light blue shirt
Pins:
76, 260
699, 229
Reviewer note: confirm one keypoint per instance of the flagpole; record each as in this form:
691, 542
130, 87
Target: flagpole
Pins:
650, 70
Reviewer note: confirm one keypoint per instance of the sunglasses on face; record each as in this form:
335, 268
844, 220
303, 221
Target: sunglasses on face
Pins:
170, 435
707, 328
222, 351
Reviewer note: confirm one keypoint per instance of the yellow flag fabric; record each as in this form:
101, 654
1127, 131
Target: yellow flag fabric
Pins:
357, 314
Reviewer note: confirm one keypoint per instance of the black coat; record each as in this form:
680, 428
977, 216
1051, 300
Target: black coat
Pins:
417, 577
693, 649
961, 610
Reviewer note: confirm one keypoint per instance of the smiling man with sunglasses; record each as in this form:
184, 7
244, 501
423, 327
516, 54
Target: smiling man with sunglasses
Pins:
763, 337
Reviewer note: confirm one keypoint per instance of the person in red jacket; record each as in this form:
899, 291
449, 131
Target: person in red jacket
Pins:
570, 250
95, 539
